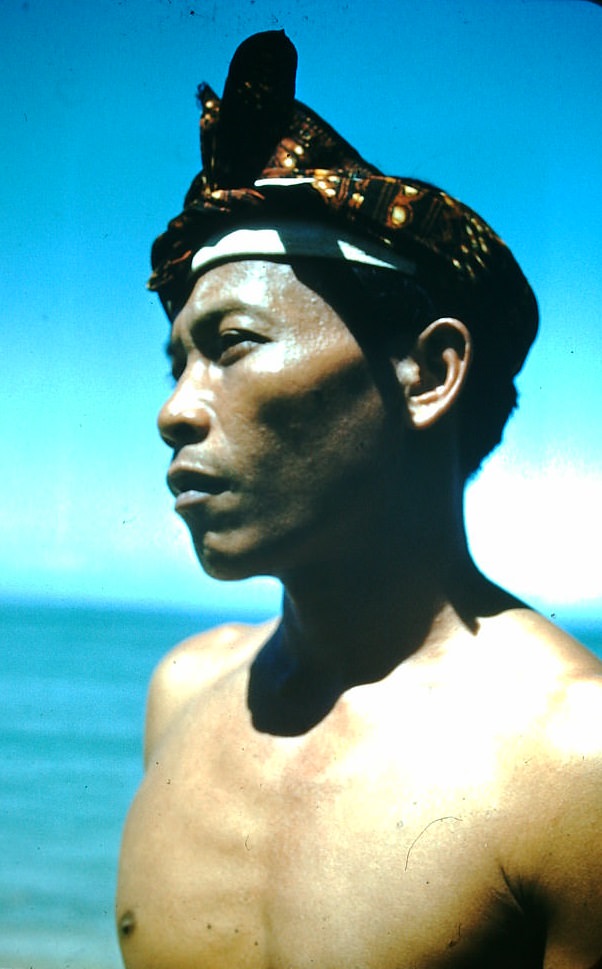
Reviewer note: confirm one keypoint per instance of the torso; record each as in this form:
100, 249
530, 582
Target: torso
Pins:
384, 838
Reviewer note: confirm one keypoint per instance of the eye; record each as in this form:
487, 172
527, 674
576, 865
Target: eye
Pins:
232, 344
177, 360
173, 374
178, 366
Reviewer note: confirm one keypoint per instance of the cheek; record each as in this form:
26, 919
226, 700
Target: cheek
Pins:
315, 402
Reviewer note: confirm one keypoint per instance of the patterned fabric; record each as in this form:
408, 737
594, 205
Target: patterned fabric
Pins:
251, 172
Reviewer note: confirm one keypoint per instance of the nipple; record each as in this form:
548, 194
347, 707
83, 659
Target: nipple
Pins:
127, 924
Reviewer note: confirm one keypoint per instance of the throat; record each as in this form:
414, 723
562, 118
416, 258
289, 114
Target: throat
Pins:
285, 698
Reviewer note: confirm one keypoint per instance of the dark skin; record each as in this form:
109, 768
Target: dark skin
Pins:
402, 770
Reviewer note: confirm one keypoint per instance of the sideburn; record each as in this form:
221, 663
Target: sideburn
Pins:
379, 339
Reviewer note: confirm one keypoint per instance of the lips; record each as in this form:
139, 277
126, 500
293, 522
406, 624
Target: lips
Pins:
191, 486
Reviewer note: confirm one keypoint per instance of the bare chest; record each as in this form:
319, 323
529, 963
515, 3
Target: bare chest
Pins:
244, 850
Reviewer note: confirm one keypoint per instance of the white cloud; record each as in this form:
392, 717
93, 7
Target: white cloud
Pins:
538, 531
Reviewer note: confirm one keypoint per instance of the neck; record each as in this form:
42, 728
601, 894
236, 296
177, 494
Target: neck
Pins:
361, 618
352, 619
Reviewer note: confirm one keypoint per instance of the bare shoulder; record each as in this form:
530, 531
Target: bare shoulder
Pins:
555, 851
192, 667
570, 735
556, 687
541, 639
544, 664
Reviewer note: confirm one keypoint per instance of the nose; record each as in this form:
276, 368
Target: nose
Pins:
185, 417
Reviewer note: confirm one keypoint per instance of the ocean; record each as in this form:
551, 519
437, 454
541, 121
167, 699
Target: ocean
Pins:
73, 683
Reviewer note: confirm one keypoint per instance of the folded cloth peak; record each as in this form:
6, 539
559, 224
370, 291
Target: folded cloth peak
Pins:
268, 157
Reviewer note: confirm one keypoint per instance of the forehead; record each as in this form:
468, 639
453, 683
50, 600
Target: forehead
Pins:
253, 280
263, 287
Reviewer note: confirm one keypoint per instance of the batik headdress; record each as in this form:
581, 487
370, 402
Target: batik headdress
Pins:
268, 158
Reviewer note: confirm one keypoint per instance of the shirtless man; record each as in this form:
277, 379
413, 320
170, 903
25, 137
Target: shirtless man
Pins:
403, 770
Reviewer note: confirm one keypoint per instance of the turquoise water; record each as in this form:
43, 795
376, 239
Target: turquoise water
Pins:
72, 693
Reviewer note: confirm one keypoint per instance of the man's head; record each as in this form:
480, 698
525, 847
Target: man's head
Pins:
283, 451
270, 161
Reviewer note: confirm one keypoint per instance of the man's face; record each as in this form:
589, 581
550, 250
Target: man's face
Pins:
282, 444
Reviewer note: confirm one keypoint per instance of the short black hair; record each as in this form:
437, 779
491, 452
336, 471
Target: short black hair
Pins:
388, 309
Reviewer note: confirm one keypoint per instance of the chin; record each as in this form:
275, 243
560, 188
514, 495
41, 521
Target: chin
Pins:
228, 563
232, 555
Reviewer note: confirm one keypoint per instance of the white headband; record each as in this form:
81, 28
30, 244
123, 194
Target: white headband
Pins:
297, 238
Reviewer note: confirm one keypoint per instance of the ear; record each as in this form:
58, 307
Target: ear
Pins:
433, 373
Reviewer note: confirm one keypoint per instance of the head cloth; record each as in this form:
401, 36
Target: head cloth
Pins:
267, 157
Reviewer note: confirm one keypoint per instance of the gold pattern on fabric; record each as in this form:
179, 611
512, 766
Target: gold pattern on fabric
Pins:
309, 170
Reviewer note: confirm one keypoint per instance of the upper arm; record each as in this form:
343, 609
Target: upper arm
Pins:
173, 683
183, 674
571, 881
564, 843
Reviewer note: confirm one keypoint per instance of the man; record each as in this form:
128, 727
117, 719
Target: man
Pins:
403, 770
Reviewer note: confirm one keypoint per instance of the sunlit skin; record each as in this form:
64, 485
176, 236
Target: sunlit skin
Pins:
403, 770
259, 390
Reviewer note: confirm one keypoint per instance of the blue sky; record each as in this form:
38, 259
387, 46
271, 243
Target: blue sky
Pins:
498, 101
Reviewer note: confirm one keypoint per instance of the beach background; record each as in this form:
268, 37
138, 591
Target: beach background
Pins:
71, 718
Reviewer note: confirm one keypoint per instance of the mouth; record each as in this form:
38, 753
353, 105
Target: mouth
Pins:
191, 487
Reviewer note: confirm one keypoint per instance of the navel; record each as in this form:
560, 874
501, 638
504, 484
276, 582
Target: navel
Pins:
126, 925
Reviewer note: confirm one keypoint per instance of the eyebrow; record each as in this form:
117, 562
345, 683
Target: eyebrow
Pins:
203, 321
208, 318
174, 347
